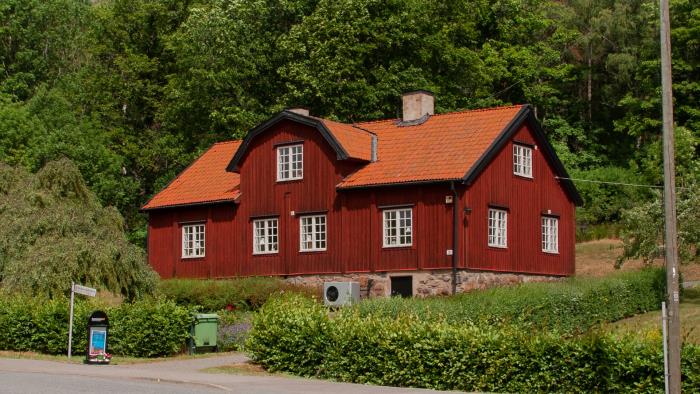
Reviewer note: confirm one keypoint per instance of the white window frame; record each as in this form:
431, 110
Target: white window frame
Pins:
550, 234
266, 236
395, 219
498, 228
312, 233
290, 162
522, 160
192, 246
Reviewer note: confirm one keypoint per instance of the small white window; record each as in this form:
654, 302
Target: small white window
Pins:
550, 234
498, 228
522, 160
265, 240
192, 241
290, 162
398, 227
312, 233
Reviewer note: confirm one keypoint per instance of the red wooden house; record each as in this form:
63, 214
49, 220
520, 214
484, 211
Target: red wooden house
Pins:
429, 203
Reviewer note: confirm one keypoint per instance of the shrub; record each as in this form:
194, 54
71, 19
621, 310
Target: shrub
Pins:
149, 328
146, 328
212, 295
296, 335
569, 306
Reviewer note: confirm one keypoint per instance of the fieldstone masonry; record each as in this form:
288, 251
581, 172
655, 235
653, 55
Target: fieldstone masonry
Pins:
425, 283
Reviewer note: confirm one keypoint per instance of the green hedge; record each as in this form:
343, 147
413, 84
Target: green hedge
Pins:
244, 294
296, 335
147, 328
569, 306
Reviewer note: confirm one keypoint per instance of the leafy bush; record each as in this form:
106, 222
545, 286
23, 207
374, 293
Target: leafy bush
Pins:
239, 294
297, 335
147, 328
571, 305
644, 228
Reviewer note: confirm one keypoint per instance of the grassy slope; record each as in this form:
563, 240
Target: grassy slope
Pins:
597, 258
649, 324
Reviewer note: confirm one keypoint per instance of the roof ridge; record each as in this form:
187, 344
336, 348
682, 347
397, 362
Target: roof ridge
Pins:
461, 111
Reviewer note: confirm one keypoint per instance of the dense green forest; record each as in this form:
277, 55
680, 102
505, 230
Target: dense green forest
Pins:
132, 90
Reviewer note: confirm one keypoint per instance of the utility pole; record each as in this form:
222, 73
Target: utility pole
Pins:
672, 273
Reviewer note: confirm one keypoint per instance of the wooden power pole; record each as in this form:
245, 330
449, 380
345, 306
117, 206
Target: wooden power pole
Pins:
672, 273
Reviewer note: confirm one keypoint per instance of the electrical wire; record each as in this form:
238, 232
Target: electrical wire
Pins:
614, 183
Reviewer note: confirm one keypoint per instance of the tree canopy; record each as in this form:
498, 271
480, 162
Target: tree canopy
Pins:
55, 231
132, 90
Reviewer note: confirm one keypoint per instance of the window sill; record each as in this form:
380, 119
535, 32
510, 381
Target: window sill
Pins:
524, 177
552, 253
190, 258
263, 254
317, 251
289, 180
390, 247
496, 247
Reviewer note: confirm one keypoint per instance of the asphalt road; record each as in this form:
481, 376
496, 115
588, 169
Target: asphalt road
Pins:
28, 382
174, 376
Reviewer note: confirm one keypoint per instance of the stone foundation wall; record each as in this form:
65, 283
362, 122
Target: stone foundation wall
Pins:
425, 283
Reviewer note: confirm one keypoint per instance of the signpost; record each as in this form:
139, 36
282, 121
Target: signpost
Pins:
84, 290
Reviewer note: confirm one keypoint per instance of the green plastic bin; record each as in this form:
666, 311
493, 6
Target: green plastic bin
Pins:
204, 332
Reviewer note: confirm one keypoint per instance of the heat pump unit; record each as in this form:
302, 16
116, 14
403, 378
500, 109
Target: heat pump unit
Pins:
340, 293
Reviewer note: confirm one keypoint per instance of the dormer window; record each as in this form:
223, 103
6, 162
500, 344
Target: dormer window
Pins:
522, 160
290, 162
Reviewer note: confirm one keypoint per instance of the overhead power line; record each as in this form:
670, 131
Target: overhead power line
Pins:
613, 183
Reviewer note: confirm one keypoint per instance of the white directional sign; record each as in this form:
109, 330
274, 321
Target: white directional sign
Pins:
84, 290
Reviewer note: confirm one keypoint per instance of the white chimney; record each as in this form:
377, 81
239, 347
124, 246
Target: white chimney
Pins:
299, 110
417, 104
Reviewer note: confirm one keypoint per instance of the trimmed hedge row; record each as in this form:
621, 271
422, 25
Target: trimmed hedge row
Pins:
148, 328
244, 294
296, 335
569, 306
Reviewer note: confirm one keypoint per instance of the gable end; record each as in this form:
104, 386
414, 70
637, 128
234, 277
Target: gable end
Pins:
292, 116
525, 115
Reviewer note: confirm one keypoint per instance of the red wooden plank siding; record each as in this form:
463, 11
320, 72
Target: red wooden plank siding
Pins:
354, 218
526, 200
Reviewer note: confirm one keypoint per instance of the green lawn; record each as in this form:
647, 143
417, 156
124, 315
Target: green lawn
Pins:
649, 324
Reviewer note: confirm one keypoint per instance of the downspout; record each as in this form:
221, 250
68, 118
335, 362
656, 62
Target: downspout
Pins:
455, 219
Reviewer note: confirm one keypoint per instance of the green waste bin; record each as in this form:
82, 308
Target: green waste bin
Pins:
204, 332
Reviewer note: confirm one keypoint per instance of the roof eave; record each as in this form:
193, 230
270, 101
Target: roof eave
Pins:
392, 184
191, 204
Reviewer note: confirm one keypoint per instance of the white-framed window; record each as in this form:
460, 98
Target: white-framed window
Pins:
398, 227
312, 233
522, 160
290, 162
192, 240
550, 234
265, 236
498, 228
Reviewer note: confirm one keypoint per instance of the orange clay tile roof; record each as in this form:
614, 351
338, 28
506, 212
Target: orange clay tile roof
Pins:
204, 181
356, 142
445, 147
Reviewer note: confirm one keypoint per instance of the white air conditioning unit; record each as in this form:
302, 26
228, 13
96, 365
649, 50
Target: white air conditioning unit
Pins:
340, 293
